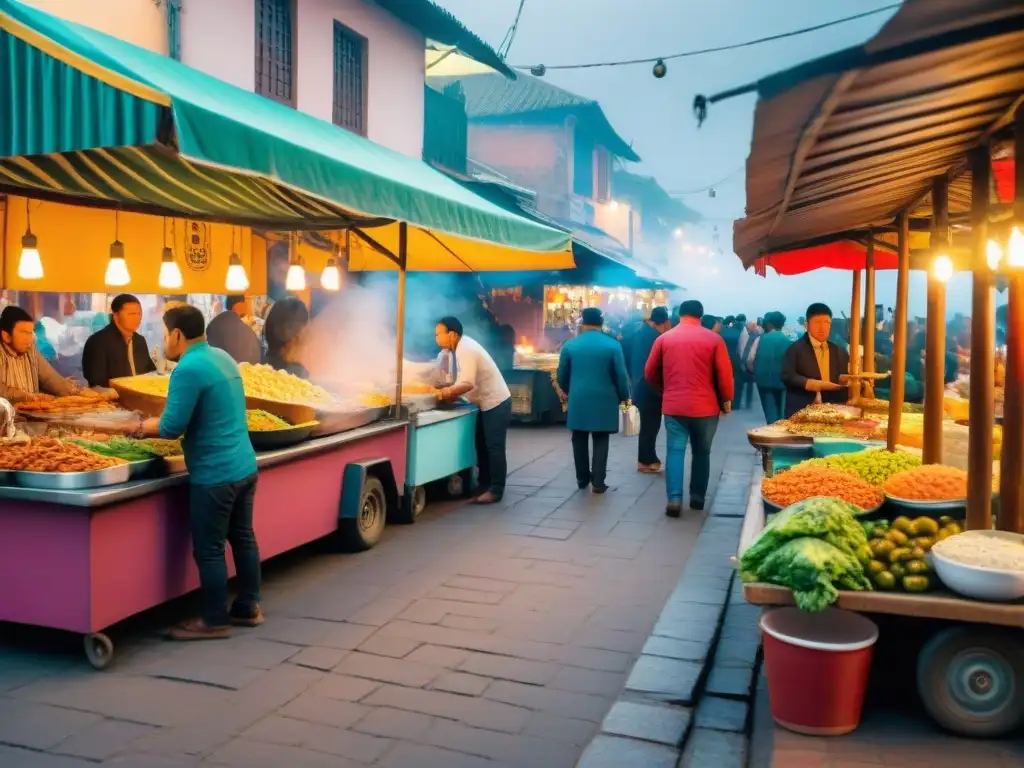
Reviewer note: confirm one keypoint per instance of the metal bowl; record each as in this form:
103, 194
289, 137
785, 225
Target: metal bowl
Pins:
981, 583
771, 509
272, 439
927, 507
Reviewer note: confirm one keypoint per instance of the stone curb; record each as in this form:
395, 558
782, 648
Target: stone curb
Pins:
688, 698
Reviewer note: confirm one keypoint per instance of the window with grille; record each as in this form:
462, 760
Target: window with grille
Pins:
349, 79
275, 50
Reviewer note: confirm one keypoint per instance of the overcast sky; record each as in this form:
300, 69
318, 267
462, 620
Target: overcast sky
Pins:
656, 114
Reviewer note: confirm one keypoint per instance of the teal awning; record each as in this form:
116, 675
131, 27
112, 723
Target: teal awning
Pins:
89, 119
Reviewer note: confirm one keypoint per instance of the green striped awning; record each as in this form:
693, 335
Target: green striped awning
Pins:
89, 119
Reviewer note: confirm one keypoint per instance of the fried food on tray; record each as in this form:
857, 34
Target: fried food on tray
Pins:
48, 454
85, 401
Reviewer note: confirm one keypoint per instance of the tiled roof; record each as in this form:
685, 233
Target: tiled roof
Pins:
491, 97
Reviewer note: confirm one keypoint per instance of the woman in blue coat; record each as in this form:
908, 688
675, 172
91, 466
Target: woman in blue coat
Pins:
592, 372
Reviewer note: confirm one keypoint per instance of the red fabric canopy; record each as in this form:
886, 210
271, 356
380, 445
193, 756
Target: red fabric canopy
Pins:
1002, 171
845, 254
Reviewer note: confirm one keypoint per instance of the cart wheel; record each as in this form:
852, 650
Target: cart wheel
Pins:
414, 501
971, 680
456, 487
363, 531
468, 478
99, 650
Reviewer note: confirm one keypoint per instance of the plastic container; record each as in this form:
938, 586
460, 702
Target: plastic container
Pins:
817, 665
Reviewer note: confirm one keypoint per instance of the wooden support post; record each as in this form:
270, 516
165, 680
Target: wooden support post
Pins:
855, 335
1011, 475
983, 352
898, 368
403, 260
935, 330
868, 387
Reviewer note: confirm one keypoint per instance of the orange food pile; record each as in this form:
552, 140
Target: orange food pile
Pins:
802, 483
931, 482
83, 402
47, 454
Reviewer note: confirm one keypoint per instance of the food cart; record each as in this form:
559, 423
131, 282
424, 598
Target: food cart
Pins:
881, 139
77, 557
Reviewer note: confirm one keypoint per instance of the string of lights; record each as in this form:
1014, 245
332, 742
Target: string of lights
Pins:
700, 190
661, 69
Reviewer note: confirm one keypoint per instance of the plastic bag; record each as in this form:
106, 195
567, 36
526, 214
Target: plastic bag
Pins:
629, 420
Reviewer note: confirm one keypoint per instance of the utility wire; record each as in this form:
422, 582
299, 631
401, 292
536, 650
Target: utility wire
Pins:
702, 51
683, 193
506, 42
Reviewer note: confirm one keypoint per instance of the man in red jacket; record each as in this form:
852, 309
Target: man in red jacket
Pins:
690, 366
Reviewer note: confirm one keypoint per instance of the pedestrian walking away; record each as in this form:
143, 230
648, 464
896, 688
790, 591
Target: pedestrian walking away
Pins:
813, 365
592, 373
690, 367
647, 401
478, 379
206, 408
764, 360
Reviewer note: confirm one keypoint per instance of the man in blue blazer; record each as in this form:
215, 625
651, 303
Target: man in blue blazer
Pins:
592, 372
813, 365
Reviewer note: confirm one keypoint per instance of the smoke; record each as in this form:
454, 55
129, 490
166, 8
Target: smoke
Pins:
350, 344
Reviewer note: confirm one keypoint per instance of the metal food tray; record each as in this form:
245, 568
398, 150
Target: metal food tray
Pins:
74, 481
331, 421
946, 505
771, 508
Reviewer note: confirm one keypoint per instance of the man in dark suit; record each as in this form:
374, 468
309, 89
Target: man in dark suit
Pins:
647, 401
813, 365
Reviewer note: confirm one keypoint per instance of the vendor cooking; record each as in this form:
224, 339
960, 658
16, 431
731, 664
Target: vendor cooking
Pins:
24, 373
117, 349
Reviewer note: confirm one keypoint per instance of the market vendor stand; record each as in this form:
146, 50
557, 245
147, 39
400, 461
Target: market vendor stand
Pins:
861, 127
197, 148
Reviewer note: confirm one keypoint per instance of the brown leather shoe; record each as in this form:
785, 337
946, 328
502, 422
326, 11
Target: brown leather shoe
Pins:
674, 508
197, 629
248, 621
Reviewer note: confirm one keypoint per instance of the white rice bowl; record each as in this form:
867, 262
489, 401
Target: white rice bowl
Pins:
984, 565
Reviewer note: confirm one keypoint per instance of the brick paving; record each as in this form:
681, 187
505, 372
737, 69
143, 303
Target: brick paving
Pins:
478, 637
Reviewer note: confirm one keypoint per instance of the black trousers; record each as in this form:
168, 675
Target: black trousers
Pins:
650, 425
219, 513
491, 434
585, 471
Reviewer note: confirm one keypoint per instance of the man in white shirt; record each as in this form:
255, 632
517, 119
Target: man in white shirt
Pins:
478, 379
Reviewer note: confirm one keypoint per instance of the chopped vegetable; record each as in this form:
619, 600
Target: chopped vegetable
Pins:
874, 466
262, 421
805, 482
930, 482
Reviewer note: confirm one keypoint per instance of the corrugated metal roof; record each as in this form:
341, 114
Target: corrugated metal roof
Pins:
491, 97
435, 23
849, 141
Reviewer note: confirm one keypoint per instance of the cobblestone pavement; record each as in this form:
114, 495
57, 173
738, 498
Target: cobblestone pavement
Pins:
477, 637
895, 731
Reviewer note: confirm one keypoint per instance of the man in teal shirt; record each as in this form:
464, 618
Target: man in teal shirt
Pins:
206, 405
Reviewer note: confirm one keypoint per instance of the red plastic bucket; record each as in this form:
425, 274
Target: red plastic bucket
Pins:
817, 666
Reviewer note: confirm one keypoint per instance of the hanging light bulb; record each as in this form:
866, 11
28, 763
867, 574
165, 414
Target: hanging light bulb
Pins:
117, 268
170, 272
942, 268
993, 255
295, 280
1015, 251
660, 70
330, 278
30, 266
237, 281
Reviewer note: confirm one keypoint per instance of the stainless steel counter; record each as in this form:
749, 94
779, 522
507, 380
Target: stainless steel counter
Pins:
425, 418
98, 497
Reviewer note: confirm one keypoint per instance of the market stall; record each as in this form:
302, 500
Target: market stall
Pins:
880, 534
196, 149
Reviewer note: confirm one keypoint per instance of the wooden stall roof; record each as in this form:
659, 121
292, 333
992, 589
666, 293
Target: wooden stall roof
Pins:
846, 142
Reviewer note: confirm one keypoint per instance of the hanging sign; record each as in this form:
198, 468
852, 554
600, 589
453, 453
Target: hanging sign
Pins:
197, 245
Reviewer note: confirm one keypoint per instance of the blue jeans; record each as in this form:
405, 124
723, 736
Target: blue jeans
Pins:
699, 432
773, 403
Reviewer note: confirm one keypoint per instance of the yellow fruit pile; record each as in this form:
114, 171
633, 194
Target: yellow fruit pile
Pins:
272, 384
